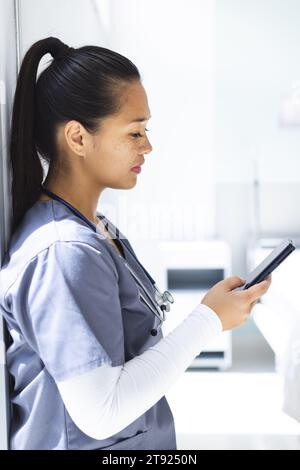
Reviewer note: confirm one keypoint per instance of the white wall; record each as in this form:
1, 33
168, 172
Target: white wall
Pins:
257, 67
8, 75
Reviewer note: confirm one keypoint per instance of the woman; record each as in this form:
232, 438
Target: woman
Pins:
90, 366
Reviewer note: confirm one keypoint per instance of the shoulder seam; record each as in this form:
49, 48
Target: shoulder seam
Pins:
44, 249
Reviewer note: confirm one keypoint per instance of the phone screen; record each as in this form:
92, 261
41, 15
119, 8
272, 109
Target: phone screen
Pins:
271, 262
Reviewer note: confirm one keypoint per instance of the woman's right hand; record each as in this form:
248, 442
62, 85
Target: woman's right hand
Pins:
233, 308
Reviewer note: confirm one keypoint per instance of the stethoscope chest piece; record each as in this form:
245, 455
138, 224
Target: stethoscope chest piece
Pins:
158, 302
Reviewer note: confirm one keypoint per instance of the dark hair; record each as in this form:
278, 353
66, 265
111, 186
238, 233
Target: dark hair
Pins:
83, 84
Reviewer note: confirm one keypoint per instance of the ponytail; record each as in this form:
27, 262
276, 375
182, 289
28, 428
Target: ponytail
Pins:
82, 84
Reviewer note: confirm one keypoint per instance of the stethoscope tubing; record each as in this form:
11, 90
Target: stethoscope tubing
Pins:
159, 314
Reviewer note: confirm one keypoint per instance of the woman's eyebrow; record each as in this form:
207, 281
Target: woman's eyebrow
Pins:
141, 119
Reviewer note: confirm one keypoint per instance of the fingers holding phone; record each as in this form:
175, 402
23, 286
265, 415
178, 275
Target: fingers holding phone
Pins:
257, 291
233, 307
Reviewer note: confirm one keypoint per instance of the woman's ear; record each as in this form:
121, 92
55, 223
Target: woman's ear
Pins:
72, 133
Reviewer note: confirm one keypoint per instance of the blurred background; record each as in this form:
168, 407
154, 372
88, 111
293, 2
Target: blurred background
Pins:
220, 189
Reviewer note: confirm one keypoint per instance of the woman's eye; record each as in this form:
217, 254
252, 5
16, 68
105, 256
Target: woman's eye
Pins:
138, 134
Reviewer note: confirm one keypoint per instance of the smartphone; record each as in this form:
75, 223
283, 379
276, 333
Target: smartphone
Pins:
275, 258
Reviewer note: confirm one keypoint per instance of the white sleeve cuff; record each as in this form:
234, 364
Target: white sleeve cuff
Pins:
211, 317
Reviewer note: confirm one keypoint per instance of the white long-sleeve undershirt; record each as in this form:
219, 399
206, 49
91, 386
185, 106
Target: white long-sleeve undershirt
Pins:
105, 400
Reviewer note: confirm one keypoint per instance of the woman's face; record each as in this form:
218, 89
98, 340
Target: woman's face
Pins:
121, 143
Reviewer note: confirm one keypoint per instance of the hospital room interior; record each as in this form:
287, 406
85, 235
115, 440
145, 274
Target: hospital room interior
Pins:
219, 191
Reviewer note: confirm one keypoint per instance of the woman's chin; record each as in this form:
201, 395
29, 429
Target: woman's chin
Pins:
131, 182
131, 185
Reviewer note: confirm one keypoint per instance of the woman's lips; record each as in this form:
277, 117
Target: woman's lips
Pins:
136, 169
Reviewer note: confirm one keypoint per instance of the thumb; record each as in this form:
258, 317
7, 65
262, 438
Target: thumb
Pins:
233, 282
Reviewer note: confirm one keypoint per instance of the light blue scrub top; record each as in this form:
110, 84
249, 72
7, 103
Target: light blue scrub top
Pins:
71, 305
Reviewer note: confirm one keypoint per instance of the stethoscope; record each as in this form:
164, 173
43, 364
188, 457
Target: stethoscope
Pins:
161, 304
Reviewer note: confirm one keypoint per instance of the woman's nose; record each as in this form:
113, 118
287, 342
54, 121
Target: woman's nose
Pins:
148, 147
